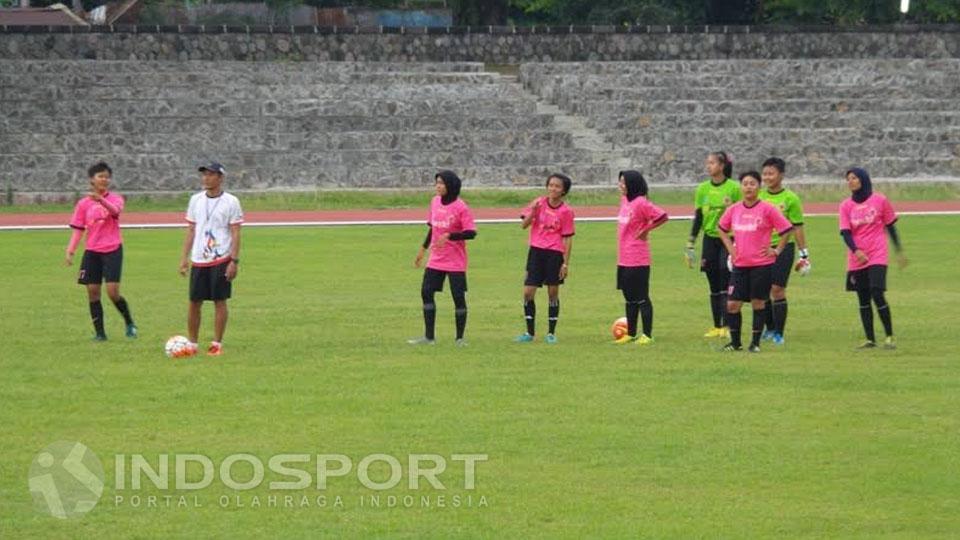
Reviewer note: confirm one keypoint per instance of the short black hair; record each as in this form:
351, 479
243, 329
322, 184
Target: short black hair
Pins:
567, 183
754, 174
99, 167
780, 164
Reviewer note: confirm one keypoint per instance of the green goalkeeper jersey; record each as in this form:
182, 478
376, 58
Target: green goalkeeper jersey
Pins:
713, 199
789, 205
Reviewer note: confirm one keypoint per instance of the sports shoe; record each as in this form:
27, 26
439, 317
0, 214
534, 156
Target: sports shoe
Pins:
644, 339
777, 339
551, 339
724, 332
753, 348
730, 347
99, 337
460, 342
867, 345
523, 338
215, 349
889, 344
768, 335
420, 341
714, 332
191, 350
626, 338
132, 331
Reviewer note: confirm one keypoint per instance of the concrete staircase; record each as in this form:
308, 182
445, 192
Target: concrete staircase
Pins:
276, 125
898, 118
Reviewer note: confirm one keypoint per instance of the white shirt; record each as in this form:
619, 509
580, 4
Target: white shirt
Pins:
213, 216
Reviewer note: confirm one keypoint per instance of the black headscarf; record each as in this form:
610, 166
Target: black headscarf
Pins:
866, 187
636, 184
452, 181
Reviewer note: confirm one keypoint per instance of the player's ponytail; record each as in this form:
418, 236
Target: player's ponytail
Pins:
727, 162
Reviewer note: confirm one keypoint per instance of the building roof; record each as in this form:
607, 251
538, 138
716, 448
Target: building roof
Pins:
55, 15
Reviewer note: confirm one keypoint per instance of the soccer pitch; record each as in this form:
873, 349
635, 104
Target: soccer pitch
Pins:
581, 438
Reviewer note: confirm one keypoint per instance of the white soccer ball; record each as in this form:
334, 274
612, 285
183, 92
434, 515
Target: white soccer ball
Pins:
177, 347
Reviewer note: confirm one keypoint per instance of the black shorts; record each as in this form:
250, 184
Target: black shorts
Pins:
871, 277
433, 281
634, 281
97, 267
543, 267
713, 256
750, 283
209, 283
783, 266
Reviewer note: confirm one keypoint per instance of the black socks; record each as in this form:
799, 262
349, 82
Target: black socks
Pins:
717, 304
96, 315
778, 312
460, 311
759, 318
734, 322
553, 315
124, 310
530, 314
429, 314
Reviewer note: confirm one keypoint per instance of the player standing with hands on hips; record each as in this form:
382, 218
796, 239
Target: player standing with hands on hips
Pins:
550, 221
211, 253
98, 214
863, 218
636, 218
752, 222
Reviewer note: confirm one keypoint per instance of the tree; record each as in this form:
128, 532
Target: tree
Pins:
732, 11
613, 11
479, 12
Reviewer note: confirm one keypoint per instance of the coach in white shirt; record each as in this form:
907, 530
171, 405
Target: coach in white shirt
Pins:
211, 253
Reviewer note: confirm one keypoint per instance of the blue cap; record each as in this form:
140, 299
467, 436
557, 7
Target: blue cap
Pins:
213, 167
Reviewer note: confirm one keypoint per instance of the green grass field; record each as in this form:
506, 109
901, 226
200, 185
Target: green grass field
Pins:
480, 198
583, 438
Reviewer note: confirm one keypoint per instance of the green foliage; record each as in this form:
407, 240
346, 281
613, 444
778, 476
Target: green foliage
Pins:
479, 12
842, 12
612, 11
936, 11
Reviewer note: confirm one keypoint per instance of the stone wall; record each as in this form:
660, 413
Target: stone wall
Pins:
505, 45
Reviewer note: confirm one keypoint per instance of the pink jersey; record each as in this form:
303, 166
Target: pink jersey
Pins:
451, 218
550, 225
866, 222
103, 229
751, 227
635, 216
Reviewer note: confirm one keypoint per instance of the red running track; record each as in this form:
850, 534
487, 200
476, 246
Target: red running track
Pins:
407, 215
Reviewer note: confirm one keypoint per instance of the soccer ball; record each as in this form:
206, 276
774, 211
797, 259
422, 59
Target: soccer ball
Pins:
619, 328
177, 347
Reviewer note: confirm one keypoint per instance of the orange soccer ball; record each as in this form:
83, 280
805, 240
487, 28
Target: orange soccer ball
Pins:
619, 328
